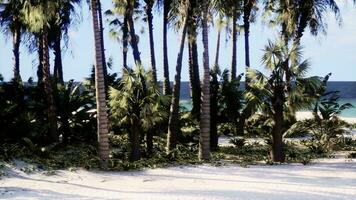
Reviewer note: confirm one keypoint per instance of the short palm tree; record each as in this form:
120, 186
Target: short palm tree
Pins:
138, 105
268, 93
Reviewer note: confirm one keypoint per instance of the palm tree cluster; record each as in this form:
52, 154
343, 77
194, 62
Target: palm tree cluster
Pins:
136, 101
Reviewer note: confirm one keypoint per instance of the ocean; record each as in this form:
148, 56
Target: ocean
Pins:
347, 95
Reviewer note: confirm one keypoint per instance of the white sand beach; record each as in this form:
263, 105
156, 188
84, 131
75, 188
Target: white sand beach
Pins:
327, 179
323, 179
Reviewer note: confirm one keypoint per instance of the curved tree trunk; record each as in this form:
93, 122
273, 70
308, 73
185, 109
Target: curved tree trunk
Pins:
149, 6
102, 118
217, 49
166, 81
204, 141
16, 35
58, 66
51, 109
174, 111
234, 47
133, 41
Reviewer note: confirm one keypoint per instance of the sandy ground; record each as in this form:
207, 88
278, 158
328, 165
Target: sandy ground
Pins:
328, 179
324, 179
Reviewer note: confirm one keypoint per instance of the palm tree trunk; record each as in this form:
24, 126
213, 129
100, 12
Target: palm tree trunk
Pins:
204, 141
125, 37
195, 88
51, 109
247, 13
217, 49
102, 118
133, 41
277, 153
58, 66
149, 6
234, 47
173, 115
101, 27
149, 142
135, 142
214, 110
16, 51
40, 60
166, 81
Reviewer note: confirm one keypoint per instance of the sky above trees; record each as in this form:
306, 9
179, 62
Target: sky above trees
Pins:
335, 52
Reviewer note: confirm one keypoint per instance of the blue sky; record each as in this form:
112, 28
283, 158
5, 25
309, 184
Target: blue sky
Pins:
335, 52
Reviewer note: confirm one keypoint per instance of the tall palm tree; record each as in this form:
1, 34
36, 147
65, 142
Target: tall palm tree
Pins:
101, 26
166, 81
59, 31
174, 110
312, 14
149, 15
127, 9
231, 9
204, 141
10, 20
247, 16
102, 117
219, 25
37, 16
195, 88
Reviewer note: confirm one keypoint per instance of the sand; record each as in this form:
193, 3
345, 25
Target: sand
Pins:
323, 179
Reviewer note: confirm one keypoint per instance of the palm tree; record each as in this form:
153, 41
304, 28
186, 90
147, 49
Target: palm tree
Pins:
219, 24
166, 81
102, 117
37, 16
269, 94
249, 5
195, 88
59, 30
204, 141
174, 110
149, 15
126, 8
138, 105
10, 20
231, 9
312, 13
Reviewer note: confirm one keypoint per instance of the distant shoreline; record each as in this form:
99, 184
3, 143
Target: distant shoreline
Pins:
308, 115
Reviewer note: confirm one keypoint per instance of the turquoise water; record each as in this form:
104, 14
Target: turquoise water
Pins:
349, 112
187, 104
